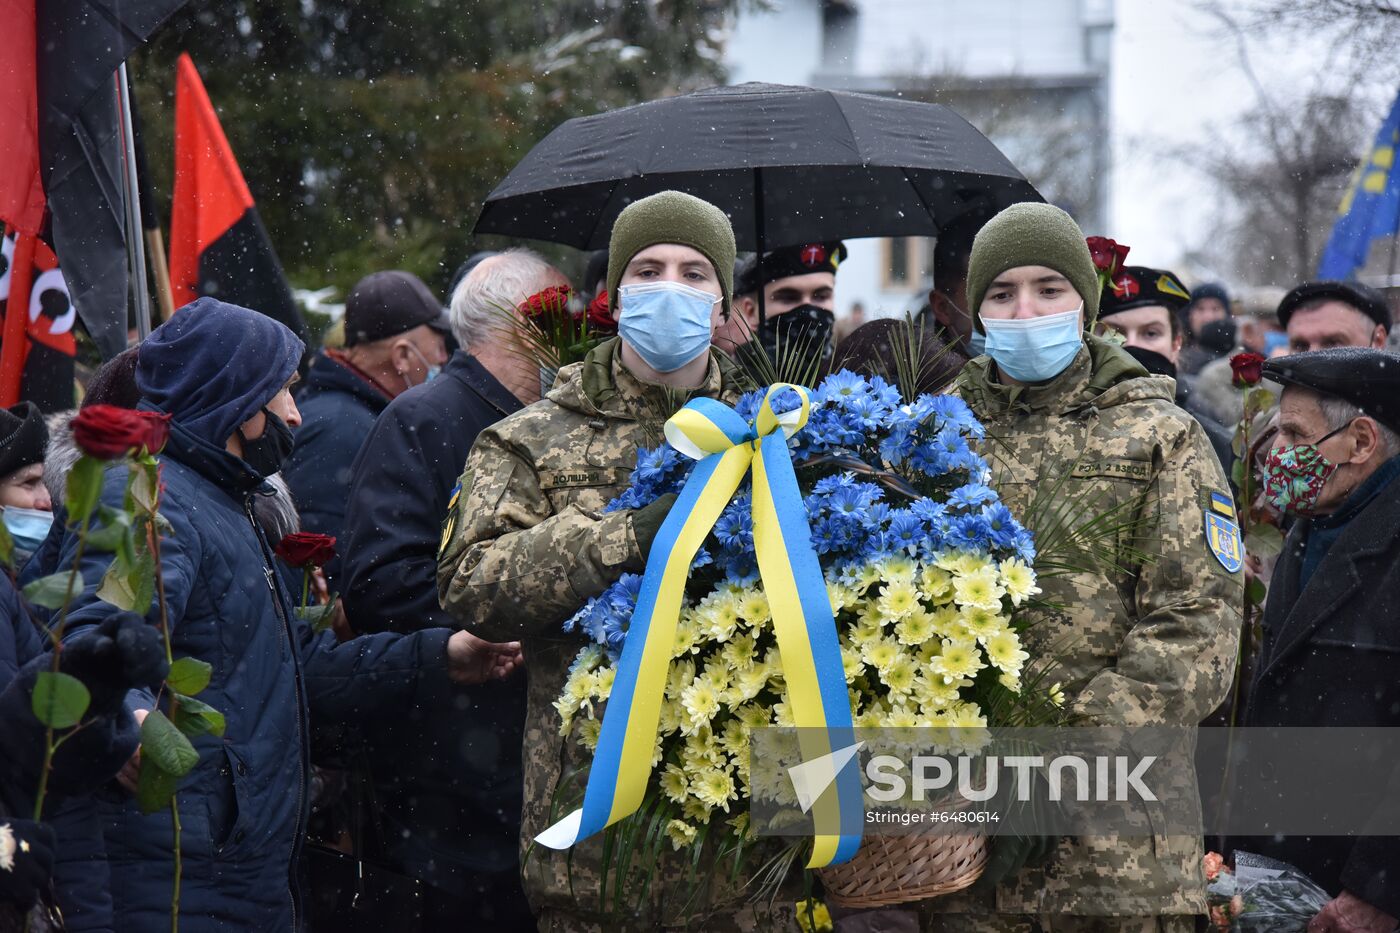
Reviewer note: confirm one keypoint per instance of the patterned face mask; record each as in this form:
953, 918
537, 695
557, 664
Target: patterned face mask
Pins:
1294, 476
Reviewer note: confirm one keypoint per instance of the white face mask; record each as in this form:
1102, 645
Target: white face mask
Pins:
1035, 349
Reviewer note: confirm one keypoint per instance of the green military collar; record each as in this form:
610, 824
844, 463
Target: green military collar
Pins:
1098, 367
613, 389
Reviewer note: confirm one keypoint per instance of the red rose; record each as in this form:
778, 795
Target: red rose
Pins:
599, 317
1108, 255
553, 300
1247, 368
306, 549
109, 433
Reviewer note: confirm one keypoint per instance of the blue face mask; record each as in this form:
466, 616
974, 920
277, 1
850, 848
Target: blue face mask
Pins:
28, 528
976, 344
432, 370
1037, 349
667, 323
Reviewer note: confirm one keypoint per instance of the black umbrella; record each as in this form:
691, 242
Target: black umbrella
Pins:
787, 164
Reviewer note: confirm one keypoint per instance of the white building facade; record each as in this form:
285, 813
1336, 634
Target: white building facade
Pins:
1031, 74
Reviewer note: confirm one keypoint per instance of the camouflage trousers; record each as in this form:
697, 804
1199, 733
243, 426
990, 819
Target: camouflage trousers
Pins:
1057, 923
781, 918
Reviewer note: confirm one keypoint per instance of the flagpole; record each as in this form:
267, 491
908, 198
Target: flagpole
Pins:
135, 244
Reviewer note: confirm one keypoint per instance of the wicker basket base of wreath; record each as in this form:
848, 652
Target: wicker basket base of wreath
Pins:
899, 869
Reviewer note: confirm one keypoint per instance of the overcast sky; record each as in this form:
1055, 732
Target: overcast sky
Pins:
1174, 79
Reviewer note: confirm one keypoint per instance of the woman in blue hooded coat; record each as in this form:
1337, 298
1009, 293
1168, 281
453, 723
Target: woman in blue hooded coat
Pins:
222, 373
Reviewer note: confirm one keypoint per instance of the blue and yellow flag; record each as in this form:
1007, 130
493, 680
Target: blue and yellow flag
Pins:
1370, 208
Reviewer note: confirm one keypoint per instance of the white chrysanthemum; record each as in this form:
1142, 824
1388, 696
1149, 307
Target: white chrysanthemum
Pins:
681, 834
7, 847
701, 702
1018, 579
588, 732
851, 663
1057, 694
1011, 682
957, 660
752, 715
966, 716
754, 608
714, 786
1004, 651
674, 783
982, 623
936, 584
979, 589
901, 717
898, 599
740, 653
880, 654
915, 629
682, 675
899, 675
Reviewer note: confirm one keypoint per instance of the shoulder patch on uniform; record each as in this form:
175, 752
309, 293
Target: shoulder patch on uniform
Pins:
1222, 534
449, 523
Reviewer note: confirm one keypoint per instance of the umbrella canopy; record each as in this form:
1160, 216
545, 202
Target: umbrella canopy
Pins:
787, 164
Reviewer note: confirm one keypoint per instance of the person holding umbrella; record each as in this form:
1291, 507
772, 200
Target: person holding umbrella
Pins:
526, 541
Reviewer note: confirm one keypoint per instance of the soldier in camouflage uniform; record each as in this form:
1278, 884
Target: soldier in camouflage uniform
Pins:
1150, 635
527, 542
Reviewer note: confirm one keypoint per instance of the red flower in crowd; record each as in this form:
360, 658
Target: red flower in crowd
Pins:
306, 549
1108, 255
553, 300
599, 317
1247, 368
109, 433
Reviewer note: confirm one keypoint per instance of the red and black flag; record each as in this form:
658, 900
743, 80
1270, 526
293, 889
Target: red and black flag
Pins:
60, 163
33, 289
218, 245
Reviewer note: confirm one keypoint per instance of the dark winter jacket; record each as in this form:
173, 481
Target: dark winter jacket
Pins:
447, 775
81, 881
1220, 436
243, 808
338, 408
1328, 659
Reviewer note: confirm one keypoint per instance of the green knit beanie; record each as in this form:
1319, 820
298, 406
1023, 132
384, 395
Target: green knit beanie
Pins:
672, 217
1032, 234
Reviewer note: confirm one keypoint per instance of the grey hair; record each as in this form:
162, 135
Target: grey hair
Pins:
494, 288
1338, 412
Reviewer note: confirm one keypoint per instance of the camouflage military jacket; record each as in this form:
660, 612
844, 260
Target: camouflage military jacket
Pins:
1147, 633
527, 544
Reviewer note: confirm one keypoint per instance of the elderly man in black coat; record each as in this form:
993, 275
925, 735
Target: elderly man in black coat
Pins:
447, 780
1332, 623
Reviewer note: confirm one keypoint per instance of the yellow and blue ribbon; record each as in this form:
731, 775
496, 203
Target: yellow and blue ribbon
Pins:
727, 447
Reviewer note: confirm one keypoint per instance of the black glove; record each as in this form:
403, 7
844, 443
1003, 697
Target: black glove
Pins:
26, 861
646, 521
125, 651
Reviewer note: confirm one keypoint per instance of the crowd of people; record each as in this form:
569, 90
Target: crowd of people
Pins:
466, 494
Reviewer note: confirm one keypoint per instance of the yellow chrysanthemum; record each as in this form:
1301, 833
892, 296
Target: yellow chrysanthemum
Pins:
682, 675
588, 732
851, 663
869, 575
1057, 694
740, 653
696, 810
979, 589
782, 716
898, 675
933, 694
899, 598
936, 584
566, 706
687, 636
901, 717
947, 622
734, 737
681, 834
1011, 682
1004, 651
813, 917
839, 595
749, 683
898, 569
714, 787
701, 702
915, 628
1018, 579
701, 751
957, 660
967, 563
603, 682
754, 608
982, 623
966, 716
672, 716
674, 783
866, 633
752, 715
880, 654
